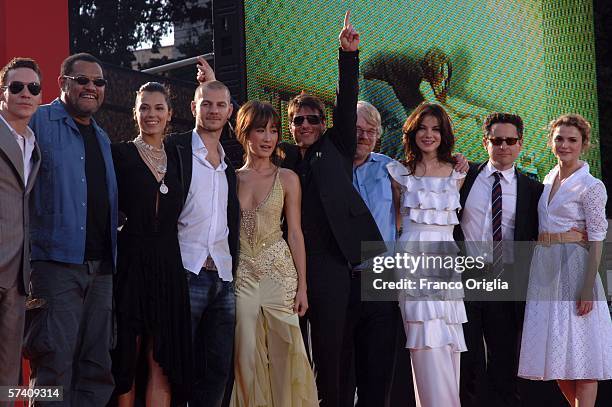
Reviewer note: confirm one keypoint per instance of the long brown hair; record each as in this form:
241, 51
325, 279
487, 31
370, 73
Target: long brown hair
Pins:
255, 114
414, 155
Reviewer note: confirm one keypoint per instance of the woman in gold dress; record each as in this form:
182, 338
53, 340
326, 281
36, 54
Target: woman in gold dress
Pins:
271, 365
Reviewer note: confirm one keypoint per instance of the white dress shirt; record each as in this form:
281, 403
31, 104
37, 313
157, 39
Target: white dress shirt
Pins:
476, 217
202, 225
26, 144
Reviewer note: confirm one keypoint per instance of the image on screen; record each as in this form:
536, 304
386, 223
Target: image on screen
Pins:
535, 58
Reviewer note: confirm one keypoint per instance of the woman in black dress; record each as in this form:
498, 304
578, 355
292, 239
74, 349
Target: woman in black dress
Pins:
151, 294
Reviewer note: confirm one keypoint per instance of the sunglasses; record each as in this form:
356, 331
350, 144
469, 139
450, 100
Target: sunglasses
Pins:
311, 118
84, 80
497, 141
17, 87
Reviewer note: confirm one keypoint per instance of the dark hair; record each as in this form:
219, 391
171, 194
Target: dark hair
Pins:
68, 63
572, 119
411, 126
305, 100
156, 87
19, 62
498, 117
253, 115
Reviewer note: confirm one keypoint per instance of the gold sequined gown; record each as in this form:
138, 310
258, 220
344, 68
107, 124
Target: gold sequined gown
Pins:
271, 366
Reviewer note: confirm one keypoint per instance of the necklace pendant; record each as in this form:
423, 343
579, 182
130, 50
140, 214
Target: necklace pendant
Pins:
163, 188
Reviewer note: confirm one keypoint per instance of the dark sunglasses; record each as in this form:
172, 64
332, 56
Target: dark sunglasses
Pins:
312, 119
84, 80
16, 87
497, 141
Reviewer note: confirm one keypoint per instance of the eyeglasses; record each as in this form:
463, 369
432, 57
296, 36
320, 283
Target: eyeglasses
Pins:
367, 133
497, 141
84, 80
17, 87
311, 118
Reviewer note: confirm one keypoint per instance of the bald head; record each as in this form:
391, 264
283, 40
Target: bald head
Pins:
205, 87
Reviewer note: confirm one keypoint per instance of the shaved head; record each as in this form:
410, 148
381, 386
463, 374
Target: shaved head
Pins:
211, 85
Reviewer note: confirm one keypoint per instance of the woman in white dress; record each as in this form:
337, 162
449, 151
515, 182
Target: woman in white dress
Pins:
567, 332
426, 192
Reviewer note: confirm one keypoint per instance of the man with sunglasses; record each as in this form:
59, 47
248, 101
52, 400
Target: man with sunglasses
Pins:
19, 162
492, 379
74, 231
335, 220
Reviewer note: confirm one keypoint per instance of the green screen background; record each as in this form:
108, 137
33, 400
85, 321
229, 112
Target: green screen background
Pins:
535, 58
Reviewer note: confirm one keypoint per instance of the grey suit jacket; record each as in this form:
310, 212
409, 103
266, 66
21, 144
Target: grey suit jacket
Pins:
14, 212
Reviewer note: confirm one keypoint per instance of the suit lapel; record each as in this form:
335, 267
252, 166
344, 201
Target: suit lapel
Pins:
522, 202
11, 149
470, 178
35, 167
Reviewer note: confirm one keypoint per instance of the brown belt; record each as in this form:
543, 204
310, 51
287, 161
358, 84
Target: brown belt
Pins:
572, 236
209, 264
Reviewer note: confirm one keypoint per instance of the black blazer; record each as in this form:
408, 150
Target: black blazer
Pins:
178, 145
528, 193
331, 163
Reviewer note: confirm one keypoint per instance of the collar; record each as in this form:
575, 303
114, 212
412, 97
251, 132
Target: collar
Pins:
507, 175
198, 145
28, 136
57, 111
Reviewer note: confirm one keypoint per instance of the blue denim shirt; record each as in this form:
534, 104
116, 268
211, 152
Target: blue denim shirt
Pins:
373, 182
58, 207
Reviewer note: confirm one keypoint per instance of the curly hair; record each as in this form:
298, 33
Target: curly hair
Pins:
572, 119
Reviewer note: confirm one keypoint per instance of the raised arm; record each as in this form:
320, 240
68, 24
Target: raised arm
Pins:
345, 109
295, 238
205, 72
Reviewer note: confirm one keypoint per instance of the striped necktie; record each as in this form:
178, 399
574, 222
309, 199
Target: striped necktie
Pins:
496, 225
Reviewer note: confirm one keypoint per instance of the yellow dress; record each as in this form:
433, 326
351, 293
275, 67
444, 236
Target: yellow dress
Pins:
270, 362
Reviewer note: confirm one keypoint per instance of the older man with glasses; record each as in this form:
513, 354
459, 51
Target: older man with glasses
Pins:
74, 233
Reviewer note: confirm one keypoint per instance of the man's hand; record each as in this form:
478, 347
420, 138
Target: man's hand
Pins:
462, 164
205, 72
349, 38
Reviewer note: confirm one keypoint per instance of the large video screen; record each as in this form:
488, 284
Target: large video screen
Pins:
535, 58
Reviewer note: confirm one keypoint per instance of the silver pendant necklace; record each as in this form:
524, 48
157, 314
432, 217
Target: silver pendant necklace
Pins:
155, 158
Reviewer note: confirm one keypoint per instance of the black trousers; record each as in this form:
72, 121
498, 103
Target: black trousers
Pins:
489, 379
369, 346
329, 282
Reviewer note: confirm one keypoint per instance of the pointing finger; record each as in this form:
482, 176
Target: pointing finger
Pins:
347, 16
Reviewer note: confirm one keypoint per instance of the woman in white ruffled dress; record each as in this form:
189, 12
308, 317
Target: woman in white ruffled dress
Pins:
426, 192
567, 332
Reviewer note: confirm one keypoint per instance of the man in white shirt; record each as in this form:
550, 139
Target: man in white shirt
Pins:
19, 162
208, 229
499, 204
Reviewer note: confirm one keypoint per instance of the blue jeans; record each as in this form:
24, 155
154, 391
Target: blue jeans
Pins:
213, 319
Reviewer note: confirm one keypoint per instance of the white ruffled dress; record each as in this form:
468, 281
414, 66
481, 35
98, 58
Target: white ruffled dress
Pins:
429, 205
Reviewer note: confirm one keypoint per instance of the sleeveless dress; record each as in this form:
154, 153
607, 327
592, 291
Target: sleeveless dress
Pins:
432, 318
557, 343
150, 287
271, 365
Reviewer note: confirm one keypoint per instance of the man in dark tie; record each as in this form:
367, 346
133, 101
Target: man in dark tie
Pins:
499, 205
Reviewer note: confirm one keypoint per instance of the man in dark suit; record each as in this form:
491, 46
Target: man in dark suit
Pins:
335, 220
491, 380
208, 229
19, 162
